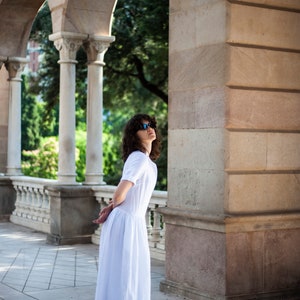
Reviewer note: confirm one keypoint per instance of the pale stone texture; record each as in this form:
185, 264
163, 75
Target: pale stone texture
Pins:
264, 151
199, 168
197, 68
190, 21
261, 256
72, 210
15, 24
259, 193
245, 264
285, 4
283, 151
85, 16
200, 189
4, 90
263, 110
268, 69
199, 108
281, 273
199, 259
262, 32
233, 145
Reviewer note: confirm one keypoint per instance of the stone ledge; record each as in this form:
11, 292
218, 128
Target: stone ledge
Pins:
230, 223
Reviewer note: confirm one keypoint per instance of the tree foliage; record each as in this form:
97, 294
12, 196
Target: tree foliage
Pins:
138, 60
42, 162
135, 79
30, 119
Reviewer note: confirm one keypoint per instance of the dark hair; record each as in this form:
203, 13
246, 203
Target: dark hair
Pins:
131, 141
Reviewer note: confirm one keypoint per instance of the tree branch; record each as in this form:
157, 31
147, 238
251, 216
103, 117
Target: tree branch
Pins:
145, 83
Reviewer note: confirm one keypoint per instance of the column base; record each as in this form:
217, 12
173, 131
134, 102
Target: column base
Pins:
232, 257
64, 179
10, 171
94, 179
170, 287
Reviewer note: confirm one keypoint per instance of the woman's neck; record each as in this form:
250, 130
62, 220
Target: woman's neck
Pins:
147, 147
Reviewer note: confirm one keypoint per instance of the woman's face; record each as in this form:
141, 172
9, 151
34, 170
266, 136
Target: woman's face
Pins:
146, 135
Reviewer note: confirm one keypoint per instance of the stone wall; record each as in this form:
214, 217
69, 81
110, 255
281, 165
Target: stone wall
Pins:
233, 220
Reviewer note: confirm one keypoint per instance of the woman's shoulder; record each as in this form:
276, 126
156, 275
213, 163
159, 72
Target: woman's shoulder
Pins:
137, 156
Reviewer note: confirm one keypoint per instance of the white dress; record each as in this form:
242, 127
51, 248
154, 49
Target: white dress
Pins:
124, 258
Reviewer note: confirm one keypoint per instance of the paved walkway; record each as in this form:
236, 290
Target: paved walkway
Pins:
31, 269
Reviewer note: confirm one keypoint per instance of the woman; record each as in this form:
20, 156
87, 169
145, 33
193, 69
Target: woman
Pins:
124, 258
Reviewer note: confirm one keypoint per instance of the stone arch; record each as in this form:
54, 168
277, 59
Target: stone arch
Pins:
92, 17
15, 23
86, 17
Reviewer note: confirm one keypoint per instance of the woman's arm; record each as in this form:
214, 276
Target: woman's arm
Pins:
118, 197
120, 194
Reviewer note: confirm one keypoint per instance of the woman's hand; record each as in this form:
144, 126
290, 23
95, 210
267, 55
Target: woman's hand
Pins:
103, 215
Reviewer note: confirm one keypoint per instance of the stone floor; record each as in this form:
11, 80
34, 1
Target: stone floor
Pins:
32, 269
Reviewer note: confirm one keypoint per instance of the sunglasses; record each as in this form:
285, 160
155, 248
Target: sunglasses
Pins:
145, 126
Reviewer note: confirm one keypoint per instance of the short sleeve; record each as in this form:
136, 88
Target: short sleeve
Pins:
134, 166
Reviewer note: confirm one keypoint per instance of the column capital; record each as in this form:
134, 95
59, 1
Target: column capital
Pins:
97, 45
67, 43
15, 66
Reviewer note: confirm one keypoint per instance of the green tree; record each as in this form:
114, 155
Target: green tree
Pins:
138, 60
42, 162
30, 119
136, 76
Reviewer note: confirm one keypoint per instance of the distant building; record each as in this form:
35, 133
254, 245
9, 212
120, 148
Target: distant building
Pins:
33, 55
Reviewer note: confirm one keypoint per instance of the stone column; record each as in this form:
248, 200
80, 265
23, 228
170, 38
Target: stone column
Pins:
67, 44
15, 67
95, 48
233, 221
4, 100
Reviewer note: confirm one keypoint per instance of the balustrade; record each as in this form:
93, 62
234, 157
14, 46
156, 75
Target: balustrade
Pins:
32, 207
154, 220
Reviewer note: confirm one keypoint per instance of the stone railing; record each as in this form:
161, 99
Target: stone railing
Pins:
32, 203
32, 209
154, 220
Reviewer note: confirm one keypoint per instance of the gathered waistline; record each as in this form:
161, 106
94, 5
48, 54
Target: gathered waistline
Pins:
134, 215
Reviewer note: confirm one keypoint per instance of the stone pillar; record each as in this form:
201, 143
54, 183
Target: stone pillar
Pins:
95, 48
14, 66
72, 209
67, 44
232, 217
4, 103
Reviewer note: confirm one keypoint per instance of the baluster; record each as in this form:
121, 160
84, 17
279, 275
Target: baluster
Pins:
161, 244
34, 204
148, 222
156, 226
46, 207
39, 199
30, 206
25, 202
18, 203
